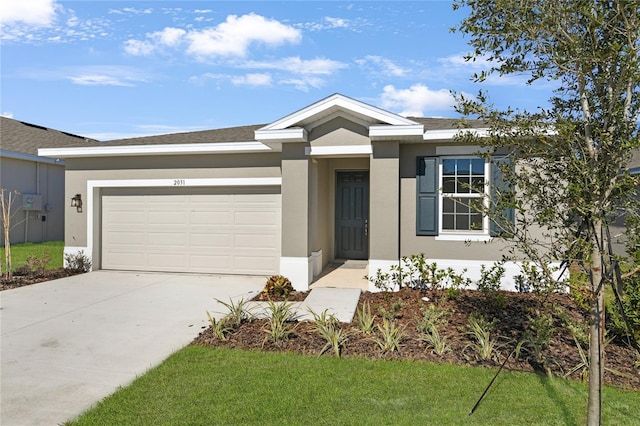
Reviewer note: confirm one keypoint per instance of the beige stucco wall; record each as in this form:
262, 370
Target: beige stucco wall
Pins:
384, 199
31, 177
339, 132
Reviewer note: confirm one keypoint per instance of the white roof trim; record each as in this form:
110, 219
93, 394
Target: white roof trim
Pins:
297, 134
342, 150
431, 135
168, 149
398, 130
342, 102
30, 157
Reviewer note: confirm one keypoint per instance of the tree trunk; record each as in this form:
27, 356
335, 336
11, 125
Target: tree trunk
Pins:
596, 331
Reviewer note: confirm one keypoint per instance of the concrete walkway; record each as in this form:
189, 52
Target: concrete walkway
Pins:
67, 344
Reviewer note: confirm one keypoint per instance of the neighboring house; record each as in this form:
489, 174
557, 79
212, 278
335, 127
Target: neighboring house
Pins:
40, 180
339, 179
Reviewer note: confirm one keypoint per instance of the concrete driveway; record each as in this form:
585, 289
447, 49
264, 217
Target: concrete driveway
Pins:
68, 343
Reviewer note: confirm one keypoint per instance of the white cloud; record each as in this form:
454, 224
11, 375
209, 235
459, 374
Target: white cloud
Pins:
170, 37
234, 36
252, 80
98, 80
295, 65
138, 48
416, 100
32, 12
231, 38
303, 84
7, 114
380, 65
329, 23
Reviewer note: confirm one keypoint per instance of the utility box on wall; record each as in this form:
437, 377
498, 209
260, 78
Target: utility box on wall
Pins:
32, 202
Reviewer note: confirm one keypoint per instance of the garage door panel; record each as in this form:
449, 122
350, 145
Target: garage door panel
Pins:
211, 240
211, 217
207, 233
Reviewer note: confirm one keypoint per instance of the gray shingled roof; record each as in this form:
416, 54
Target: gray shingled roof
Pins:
229, 134
246, 133
26, 138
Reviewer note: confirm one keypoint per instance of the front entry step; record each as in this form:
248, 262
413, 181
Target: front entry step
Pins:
339, 302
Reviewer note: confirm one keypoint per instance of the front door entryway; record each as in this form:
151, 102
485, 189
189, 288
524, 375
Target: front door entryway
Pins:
352, 215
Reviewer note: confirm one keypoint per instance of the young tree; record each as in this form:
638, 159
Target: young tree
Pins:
7, 199
569, 162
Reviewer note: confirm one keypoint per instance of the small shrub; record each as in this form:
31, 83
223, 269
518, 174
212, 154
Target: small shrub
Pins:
490, 278
485, 347
533, 279
393, 313
436, 341
219, 327
329, 328
237, 313
382, 281
34, 265
390, 336
433, 317
537, 337
364, 319
281, 322
77, 262
277, 286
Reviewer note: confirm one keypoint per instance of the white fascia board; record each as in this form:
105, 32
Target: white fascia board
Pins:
297, 134
450, 134
400, 131
169, 149
30, 157
343, 150
342, 102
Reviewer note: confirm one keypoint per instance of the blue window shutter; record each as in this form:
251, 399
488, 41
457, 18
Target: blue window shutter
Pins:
427, 196
498, 184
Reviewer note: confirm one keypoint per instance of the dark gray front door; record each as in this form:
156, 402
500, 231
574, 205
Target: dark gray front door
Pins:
352, 215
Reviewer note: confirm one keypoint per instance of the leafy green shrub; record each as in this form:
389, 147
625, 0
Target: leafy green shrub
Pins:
277, 286
483, 345
537, 337
630, 301
433, 318
533, 279
390, 337
237, 312
364, 319
392, 313
219, 327
77, 262
382, 281
34, 265
281, 323
490, 278
329, 328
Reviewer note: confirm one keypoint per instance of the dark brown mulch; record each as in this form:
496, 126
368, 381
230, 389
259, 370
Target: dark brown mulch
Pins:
295, 296
34, 278
509, 310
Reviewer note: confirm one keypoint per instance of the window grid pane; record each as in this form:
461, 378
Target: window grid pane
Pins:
462, 184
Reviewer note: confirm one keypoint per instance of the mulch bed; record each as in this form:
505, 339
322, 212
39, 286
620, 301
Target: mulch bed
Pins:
510, 310
35, 277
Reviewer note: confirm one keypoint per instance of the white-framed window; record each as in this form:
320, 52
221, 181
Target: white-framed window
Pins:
463, 184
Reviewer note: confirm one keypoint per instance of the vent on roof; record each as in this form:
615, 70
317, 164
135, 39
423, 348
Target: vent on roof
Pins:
34, 125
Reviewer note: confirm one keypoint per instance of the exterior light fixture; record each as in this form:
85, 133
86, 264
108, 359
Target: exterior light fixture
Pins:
77, 203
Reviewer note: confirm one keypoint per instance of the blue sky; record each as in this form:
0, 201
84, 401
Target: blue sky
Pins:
113, 69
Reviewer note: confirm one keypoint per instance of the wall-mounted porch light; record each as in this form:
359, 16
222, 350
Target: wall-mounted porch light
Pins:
77, 203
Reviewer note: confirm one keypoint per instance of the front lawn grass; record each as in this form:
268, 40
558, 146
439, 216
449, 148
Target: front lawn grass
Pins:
20, 253
205, 386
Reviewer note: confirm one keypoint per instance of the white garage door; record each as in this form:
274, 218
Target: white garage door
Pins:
227, 233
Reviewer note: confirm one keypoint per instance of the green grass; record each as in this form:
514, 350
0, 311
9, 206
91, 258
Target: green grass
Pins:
205, 386
20, 253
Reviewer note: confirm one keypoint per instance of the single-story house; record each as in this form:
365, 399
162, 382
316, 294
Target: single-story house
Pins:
338, 179
40, 204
